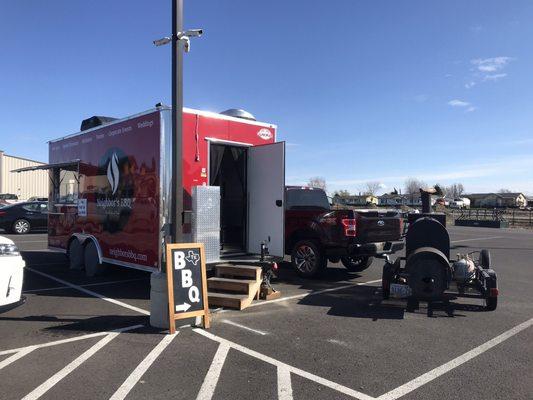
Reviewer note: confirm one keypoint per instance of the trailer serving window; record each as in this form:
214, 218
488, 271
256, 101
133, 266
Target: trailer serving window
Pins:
64, 180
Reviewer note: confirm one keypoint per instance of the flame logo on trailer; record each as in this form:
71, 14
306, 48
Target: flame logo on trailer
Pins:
113, 173
114, 198
265, 134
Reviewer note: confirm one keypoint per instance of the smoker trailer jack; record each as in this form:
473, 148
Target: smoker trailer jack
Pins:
426, 273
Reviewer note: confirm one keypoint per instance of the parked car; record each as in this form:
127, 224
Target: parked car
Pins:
11, 275
460, 202
24, 217
314, 233
38, 199
8, 198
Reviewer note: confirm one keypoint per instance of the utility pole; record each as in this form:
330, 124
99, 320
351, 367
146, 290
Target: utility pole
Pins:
177, 123
180, 43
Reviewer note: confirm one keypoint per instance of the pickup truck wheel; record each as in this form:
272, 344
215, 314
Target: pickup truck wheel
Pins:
307, 259
357, 264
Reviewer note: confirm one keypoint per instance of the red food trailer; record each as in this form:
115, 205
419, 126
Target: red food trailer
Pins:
110, 186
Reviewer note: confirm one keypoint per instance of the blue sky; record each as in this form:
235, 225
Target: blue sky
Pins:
360, 90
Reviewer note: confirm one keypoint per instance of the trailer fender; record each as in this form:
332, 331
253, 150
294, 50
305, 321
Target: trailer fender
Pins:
84, 239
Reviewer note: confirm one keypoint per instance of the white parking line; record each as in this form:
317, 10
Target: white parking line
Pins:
211, 379
312, 293
284, 383
272, 361
90, 292
143, 366
226, 321
85, 285
16, 356
443, 369
476, 239
53, 380
72, 339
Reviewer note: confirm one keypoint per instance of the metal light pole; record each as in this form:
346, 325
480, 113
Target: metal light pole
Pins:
177, 123
180, 42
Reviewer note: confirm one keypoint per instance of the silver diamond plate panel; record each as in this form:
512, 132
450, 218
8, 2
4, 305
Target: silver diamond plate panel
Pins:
205, 220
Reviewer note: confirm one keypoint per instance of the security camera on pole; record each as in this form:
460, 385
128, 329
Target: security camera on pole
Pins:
180, 41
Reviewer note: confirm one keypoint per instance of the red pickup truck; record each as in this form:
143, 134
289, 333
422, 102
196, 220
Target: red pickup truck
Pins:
314, 233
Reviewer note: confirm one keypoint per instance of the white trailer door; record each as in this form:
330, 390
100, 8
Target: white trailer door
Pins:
266, 191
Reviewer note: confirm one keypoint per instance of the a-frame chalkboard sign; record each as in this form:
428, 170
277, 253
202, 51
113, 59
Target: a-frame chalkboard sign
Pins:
187, 285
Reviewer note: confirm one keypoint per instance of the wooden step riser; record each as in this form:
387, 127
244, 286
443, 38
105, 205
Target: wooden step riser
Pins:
238, 272
239, 287
225, 302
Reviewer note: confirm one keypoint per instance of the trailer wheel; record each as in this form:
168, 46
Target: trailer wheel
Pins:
307, 259
75, 254
93, 267
491, 303
386, 278
484, 259
357, 264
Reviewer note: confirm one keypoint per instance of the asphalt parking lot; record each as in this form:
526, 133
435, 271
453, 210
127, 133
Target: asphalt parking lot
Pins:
85, 338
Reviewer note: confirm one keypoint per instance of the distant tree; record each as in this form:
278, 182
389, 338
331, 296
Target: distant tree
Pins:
504, 191
317, 182
413, 185
454, 190
342, 193
372, 187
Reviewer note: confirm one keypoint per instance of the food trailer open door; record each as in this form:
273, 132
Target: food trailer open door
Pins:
266, 190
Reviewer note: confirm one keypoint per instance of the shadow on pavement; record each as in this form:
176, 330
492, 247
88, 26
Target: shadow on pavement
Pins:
357, 302
86, 325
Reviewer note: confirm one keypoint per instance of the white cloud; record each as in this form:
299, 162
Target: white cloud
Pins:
458, 103
492, 64
471, 108
495, 77
470, 84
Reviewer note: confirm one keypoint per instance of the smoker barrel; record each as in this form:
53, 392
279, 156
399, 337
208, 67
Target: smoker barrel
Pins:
429, 273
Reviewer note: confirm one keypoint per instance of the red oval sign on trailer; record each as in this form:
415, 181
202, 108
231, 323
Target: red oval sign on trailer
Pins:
265, 134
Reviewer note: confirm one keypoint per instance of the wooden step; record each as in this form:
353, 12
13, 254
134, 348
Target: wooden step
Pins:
238, 271
237, 301
231, 285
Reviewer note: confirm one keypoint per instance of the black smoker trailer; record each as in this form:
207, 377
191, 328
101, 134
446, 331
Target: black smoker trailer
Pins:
426, 273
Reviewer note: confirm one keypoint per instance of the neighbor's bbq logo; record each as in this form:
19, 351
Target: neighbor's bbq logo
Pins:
114, 198
264, 134
113, 174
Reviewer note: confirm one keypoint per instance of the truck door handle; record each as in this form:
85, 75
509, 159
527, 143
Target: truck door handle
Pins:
279, 203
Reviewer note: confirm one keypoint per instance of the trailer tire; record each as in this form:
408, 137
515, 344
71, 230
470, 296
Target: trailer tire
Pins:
491, 303
93, 266
307, 259
386, 278
485, 259
75, 254
357, 264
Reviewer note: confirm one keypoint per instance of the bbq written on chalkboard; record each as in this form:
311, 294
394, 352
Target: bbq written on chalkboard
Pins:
186, 278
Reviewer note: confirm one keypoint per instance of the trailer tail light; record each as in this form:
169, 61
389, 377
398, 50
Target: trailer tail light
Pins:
494, 292
350, 227
401, 226
2, 213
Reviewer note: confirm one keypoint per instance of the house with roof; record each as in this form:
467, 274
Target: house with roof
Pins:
491, 200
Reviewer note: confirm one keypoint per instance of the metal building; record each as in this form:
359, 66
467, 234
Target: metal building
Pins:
30, 184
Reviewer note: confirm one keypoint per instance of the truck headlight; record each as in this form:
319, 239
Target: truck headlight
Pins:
9, 250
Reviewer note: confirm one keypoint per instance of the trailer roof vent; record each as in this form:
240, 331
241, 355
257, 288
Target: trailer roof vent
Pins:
95, 121
238, 113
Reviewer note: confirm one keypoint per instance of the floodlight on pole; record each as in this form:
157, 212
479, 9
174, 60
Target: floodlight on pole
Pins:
162, 41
